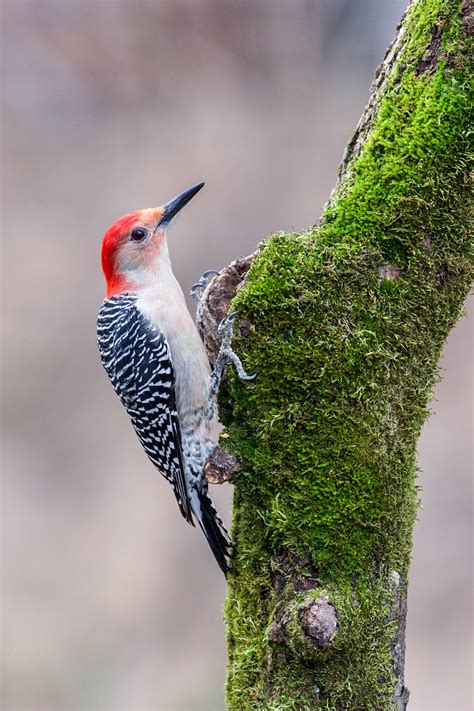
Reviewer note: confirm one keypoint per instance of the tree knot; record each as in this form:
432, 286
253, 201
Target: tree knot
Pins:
319, 621
305, 624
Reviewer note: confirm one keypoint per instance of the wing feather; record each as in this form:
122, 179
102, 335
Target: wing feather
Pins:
138, 361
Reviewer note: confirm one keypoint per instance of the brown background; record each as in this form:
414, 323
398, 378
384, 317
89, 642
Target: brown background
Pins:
110, 602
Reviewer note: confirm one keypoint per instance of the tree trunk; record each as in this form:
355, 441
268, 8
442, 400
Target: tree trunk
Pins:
344, 325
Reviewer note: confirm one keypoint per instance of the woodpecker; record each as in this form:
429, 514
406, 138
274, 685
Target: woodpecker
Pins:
156, 361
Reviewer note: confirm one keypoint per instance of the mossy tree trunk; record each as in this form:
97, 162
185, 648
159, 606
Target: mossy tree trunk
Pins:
344, 325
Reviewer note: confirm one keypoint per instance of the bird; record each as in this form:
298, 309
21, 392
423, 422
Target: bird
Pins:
151, 350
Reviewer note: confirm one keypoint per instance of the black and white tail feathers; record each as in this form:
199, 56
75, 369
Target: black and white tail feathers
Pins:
213, 528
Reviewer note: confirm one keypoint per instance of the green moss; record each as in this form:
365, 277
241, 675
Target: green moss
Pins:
344, 663
346, 360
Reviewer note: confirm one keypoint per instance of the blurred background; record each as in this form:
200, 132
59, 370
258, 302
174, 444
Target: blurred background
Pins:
109, 601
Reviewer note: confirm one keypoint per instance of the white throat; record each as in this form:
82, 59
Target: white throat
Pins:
161, 299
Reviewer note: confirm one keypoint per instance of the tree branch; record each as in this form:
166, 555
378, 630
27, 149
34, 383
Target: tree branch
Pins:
344, 325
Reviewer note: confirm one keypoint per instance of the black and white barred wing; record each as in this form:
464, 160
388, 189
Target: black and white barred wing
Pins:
137, 359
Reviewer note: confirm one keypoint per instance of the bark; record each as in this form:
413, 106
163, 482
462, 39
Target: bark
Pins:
344, 325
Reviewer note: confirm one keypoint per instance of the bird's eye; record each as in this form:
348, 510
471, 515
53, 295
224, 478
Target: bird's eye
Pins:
138, 234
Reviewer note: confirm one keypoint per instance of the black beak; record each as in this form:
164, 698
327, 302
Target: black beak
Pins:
172, 207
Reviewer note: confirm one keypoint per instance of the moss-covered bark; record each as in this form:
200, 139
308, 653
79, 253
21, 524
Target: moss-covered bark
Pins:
344, 325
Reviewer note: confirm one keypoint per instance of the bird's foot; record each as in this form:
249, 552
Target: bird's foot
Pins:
226, 354
198, 288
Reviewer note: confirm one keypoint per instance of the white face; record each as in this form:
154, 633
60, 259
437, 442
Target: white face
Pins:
142, 249
134, 248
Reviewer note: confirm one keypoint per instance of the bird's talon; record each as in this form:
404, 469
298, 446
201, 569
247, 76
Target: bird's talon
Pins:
223, 324
197, 289
249, 377
227, 322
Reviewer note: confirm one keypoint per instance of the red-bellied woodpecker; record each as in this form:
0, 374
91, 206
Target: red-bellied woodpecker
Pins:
152, 352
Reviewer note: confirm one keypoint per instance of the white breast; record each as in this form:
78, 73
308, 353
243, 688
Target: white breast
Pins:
162, 300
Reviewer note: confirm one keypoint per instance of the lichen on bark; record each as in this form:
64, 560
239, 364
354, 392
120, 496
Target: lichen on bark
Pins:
344, 325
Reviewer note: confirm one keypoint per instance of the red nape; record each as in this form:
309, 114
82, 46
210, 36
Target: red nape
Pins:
111, 242
117, 284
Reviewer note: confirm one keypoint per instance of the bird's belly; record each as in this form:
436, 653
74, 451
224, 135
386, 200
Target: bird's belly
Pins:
191, 387
192, 371
166, 308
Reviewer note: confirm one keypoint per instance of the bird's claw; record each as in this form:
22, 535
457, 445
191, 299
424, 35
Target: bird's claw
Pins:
226, 327
197, 288
244, 376
225, 355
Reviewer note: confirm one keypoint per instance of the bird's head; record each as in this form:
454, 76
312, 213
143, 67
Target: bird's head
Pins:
133, 246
